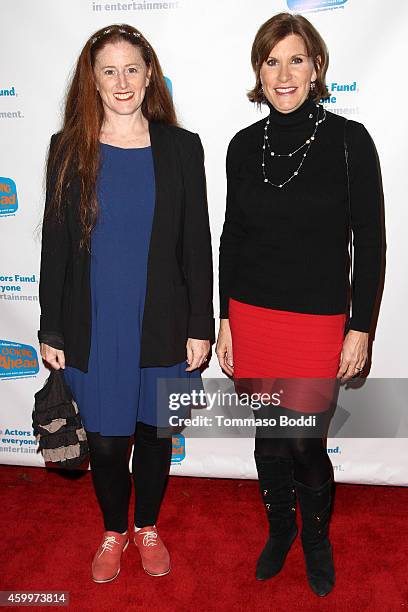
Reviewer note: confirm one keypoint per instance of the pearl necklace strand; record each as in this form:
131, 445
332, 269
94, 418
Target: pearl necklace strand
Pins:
307, 143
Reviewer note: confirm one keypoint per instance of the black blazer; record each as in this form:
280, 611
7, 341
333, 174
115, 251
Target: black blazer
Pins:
178, 302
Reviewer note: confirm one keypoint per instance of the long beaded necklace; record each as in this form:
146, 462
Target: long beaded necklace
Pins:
266, 147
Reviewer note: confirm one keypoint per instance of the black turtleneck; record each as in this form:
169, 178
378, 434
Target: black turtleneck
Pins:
287, 248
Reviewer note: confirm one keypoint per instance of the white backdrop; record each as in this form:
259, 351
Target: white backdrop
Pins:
204, 48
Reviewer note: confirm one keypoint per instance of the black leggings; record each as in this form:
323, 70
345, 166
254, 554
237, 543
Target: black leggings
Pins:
311, 463
109, 459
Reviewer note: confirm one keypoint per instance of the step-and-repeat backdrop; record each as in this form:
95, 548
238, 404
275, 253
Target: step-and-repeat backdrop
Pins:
204, 48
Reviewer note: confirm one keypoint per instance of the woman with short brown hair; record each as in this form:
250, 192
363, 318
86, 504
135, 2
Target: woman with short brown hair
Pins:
126, 276
297, 182
273, 31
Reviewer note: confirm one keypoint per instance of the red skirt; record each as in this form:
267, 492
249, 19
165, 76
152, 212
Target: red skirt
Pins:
297, 352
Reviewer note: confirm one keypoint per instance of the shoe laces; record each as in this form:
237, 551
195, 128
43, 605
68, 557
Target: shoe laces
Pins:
107, 544
149, 538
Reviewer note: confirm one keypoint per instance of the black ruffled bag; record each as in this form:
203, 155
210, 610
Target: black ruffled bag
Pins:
57, 424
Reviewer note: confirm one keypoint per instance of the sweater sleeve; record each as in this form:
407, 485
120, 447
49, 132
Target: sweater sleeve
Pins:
54, 255
366, 222
233, 230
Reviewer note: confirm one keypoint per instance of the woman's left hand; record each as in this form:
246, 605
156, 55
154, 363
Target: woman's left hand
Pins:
197, 351
353, 355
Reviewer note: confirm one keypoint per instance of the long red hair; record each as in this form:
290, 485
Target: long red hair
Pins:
77, 148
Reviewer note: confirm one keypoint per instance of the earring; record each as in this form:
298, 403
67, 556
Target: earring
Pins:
312, 85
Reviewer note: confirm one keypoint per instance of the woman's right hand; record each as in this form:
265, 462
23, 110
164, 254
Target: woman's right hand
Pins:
223, 348
54, 357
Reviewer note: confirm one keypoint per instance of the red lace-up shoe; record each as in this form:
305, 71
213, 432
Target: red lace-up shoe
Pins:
155, 556
106, 562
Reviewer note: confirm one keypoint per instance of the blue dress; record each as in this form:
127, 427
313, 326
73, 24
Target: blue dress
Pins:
116, 392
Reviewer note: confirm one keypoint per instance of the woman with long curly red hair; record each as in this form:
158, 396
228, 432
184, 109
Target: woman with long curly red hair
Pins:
126, 276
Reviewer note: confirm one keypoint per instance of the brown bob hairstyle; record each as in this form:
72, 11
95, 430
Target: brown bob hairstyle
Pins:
77, 149
276, 29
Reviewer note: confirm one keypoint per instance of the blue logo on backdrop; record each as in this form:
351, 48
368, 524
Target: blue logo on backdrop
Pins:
169, 85
8, 196
17, 360
343, 86
19, 440
8, 92
336, 450
336, 88
314, 5
178, 448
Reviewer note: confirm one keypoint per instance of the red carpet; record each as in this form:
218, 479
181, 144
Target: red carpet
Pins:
214, 530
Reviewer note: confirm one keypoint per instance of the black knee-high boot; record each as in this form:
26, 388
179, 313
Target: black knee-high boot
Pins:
315, 507
278, 495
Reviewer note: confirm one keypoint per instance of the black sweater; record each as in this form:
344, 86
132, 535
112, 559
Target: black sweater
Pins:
287, 248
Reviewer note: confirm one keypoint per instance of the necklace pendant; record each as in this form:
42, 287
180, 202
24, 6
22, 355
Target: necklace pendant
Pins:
307, 144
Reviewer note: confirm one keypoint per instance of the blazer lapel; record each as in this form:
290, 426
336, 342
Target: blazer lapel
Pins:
163, 162
162, 153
